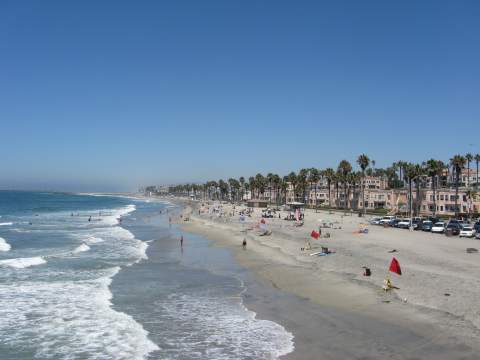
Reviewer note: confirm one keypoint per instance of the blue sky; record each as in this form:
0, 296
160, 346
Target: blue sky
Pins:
108, 95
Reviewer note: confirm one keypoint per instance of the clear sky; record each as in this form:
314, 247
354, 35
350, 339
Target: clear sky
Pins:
108, 95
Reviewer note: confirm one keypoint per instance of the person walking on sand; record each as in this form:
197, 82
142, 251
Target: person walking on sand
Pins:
244, 244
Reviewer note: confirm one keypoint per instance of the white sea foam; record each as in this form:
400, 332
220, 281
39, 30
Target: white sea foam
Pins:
120, 243
230, 330
4, 245
81, 248
70, 320
93, 240
115, 216
6, 224
21, 263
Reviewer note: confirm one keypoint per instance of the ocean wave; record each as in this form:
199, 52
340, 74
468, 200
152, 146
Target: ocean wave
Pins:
71, 320
81, 248
93, 240
4, 245
117, 214
21, 263
231, 331
6, 224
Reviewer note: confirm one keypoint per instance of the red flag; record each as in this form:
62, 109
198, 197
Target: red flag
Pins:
262, 221
395, 267
314, 234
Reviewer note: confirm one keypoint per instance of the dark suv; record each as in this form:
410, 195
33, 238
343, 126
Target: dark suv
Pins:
477, 226
427, 225
417, 224
453, 228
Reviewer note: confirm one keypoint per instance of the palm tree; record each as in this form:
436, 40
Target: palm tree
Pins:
352, 179
241, 180
284, 186
234, 188
434, 169
468, 158
302, 182
292, 179
337, 188
477, 160
329, 174
363, 161
252, 185
344, 169
247, 188
470, 195
213, 189
260, 181
410, 172
458, 163
276, 183
419, 173
401, 168
313, 178
223, 187
391, 175
270, 181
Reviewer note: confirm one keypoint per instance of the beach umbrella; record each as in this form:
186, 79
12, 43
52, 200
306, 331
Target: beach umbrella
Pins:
395, 267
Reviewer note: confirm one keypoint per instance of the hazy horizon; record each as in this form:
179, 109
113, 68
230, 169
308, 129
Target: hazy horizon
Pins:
114, 95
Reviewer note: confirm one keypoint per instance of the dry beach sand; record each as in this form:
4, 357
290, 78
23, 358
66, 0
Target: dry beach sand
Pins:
437, 299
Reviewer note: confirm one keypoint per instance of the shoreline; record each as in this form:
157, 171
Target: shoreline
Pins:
134, 282
272, 261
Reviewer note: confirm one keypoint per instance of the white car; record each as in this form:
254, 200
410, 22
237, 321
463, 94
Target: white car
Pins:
386, 220
467, 231
375, 220
404, 224
438, 227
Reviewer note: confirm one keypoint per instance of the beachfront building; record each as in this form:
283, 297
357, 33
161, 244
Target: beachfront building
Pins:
468, 203
467, 178
375, 182
379, 196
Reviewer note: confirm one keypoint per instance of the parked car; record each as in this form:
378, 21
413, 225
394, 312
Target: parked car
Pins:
477, 235
375, 220
404, 224
386, 220
394, 222
417, 224
477, 226
467, 231
453, 228
427, 225
438, 227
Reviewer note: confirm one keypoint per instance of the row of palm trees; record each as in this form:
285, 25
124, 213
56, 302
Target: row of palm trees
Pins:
344, 179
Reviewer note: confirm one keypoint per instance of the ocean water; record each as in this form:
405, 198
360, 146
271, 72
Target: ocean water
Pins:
102, 277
